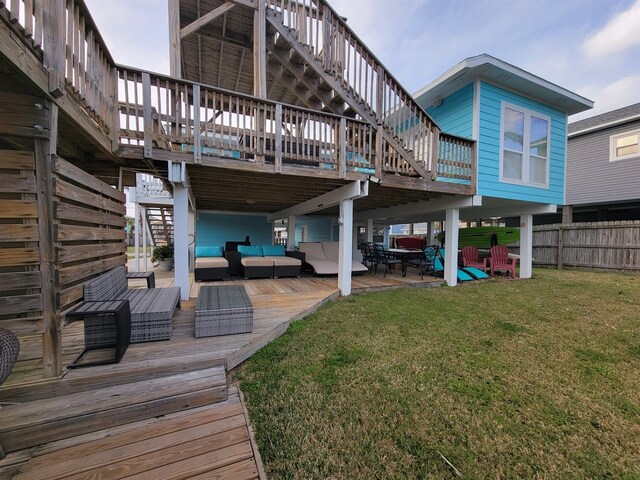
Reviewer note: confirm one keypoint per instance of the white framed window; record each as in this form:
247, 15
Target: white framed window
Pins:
524, 146
624, 145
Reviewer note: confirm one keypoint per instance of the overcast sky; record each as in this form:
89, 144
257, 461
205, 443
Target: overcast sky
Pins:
591, 47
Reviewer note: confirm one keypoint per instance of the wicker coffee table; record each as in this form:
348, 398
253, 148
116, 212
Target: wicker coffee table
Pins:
223, 310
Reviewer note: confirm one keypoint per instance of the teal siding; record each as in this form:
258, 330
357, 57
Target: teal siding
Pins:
318, 229
455, 114
215, 229
489, 184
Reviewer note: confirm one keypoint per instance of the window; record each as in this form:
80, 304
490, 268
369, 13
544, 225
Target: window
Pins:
524, 150
625, 145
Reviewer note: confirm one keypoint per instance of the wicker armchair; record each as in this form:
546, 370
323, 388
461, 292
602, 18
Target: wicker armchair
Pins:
9, 350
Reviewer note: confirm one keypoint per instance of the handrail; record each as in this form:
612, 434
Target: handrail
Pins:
331, 41
73, 51
158, 111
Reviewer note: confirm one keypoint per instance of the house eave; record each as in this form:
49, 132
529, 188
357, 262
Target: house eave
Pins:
502, 74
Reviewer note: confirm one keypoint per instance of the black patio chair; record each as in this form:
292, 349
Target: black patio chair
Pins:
369, 258
385, 258
427, 262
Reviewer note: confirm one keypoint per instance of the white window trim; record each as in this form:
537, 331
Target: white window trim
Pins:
526, 146
612, 147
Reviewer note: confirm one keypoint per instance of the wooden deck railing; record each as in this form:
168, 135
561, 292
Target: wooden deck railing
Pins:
161, 112
331, 41
62, 34
158, 111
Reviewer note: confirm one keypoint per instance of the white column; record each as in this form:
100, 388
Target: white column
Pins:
451, 247
192, 233
526, 245
181, 238
345, 253
136, 237
291, 233
370, 230
144, 239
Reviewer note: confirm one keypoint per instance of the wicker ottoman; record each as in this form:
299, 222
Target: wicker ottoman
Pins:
223, 310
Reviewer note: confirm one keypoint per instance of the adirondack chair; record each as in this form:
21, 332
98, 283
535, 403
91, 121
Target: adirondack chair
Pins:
500, 261
470, 258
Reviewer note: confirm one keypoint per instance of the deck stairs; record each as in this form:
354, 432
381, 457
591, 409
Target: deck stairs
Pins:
160, 224
89, 400
336, 72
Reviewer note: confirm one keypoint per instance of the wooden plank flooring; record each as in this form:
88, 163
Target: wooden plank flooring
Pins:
208, 442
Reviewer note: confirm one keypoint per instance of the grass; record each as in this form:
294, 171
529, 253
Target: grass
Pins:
506, 379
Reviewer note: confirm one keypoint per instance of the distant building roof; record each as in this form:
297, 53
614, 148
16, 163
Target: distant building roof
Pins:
503, 74
605, 120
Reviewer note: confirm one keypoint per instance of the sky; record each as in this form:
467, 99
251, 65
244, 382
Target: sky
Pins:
591, 47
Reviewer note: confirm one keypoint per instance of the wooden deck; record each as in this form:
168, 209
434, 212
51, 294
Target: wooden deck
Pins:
165, 410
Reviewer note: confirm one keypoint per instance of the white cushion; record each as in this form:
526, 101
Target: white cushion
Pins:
256, 262
312, 250
331, 250
281, 261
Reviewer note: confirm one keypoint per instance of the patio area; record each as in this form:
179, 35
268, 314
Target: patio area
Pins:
162, 395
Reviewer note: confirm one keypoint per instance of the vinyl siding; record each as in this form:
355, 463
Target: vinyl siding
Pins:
455, 114
489, 184
592, 178
215, 229
318, 229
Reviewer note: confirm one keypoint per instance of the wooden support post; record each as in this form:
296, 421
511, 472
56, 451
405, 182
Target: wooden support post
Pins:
45, 153
197, 150
451, 247
144, 238
370, 230
181, 238
291, 232
175, 48
326, 37
114, 111
526, 245
260, 73
345, 253
560, 247
379, 152
278, 139
54, 51
136, 232
342, 155
567, 214
146, 115
435, 152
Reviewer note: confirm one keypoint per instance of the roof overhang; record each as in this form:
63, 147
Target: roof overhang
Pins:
503, 74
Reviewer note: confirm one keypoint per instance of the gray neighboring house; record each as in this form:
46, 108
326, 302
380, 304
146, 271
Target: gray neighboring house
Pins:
603, 169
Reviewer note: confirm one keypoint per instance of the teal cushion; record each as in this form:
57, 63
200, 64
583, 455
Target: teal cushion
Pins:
209, 252
250, 251
273, 251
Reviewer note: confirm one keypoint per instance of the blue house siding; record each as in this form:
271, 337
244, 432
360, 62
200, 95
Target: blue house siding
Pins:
215, 229
455, 114
489, 184
318, 229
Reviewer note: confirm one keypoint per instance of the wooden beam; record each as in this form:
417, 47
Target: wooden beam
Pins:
175, 48
45, 155
54, 51
206, 18
351, 191
246, 3
260, 51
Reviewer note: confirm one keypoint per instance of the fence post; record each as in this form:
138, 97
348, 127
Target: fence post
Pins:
560, 246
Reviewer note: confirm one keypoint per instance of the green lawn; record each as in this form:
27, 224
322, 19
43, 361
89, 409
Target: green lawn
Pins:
506, 379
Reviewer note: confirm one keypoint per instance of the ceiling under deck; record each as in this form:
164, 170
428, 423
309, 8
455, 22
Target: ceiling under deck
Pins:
239, 191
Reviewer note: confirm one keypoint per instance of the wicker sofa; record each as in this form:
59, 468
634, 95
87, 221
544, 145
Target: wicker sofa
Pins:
211, 264
269, 261
151, 309
322, 258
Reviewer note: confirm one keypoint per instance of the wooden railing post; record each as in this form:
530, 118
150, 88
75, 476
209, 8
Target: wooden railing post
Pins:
146, 115
197, 151
114, 110
435, 151
54, 51
278, 138
342, 155
326, 37
379, 153
474, 165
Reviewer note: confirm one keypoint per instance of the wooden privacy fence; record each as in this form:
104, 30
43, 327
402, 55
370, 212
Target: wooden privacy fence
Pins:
602, 245
59, 226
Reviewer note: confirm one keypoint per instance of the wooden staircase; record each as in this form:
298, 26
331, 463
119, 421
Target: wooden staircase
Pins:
327, 66
160, 223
